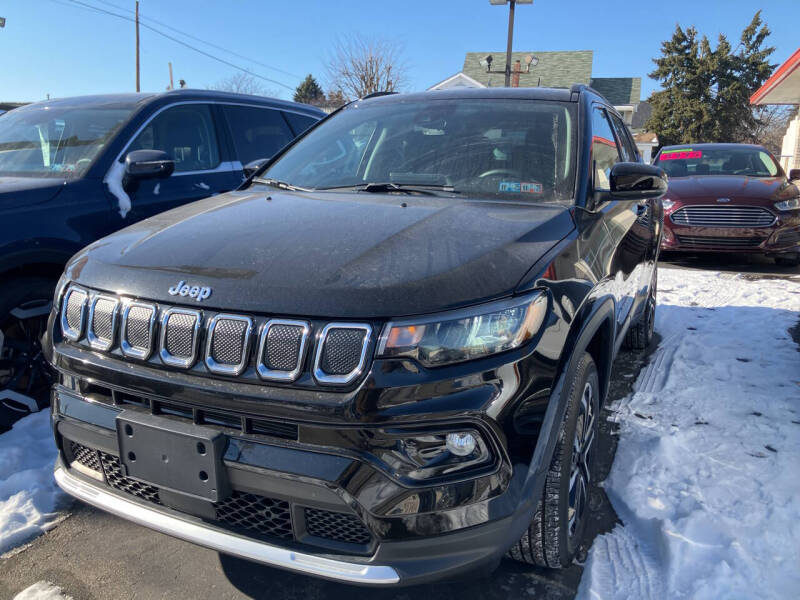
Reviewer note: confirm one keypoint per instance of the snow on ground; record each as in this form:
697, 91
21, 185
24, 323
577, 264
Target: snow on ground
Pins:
42, 590
706, 478
29, 497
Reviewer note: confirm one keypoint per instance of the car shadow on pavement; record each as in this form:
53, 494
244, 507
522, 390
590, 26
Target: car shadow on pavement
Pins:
510, 580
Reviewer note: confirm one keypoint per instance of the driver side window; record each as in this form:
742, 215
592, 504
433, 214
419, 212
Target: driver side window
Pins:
605, 153
186, 133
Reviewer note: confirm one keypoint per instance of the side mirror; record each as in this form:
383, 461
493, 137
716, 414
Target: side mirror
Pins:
253, 166
794, 174
637, 181
148, 164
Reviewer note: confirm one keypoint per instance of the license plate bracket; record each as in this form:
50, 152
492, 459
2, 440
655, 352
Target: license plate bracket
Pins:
180, 457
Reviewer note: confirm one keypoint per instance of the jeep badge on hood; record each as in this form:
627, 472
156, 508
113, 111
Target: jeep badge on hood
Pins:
184, 289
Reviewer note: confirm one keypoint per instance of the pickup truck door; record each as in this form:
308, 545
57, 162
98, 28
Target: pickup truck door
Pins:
190, 134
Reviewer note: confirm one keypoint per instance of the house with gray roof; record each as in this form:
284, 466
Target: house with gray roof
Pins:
550, 69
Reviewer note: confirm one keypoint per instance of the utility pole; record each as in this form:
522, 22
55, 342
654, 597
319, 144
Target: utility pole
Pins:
508, 46
511, 5
171, 82
137, 46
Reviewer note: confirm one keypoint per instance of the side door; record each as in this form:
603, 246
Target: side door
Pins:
256, 131
623, 250
646, 229
190, 135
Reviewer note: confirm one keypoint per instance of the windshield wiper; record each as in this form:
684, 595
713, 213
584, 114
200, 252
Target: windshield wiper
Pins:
408, 188
280, 184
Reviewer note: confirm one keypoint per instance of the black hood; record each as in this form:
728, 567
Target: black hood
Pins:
24, 191
355, 255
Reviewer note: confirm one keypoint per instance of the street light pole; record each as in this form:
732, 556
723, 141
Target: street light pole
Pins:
510, 40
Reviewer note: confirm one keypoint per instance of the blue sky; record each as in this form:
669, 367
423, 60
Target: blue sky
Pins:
56, 47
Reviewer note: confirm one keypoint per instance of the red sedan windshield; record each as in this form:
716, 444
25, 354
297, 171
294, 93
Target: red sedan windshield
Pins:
688, 161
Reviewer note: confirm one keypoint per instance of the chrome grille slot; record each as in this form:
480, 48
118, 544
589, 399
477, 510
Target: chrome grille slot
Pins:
722, 242
102, 322
73, 313
282, 348
138, 327
341, 352
227, 343
723, 216
180, 332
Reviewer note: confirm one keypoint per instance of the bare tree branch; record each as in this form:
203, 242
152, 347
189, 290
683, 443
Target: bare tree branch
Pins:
242, 83
361, 65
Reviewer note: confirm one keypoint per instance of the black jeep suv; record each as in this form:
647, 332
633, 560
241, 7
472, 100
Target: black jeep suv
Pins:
76, 169
380, 361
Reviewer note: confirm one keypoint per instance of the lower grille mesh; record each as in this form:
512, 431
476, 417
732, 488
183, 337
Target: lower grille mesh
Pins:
723, 242
266, 516
336, 526
85, 456
118, 481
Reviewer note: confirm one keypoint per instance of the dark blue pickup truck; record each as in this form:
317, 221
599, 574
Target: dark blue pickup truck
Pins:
77, 169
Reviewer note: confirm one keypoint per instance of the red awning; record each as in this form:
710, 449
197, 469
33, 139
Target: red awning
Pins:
784, 85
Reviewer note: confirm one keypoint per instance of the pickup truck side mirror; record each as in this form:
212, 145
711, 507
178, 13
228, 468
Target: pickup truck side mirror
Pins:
148, 164
253, 166
794, 174
637, 181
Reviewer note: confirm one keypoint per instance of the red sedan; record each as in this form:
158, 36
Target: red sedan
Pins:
730, 198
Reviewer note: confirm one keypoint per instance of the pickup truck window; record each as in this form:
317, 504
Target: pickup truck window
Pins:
508, 149
185, 132
51, 141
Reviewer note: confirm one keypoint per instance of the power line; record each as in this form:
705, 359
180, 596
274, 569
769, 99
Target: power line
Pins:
197, 39
182, 43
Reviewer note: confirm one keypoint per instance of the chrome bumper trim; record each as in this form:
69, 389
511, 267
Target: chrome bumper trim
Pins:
226, 543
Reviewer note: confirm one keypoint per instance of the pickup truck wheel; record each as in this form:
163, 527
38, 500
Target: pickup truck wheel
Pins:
640, 334
556, 531
25, 376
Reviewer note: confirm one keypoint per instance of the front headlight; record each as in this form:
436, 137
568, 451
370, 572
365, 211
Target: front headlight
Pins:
790, 204
465, 335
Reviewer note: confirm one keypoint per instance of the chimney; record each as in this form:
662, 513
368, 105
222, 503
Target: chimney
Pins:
515, 74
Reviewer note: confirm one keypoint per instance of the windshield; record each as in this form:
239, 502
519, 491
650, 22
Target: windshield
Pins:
516, 149
684, 162
42, 141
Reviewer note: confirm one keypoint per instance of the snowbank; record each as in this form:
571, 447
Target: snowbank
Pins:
706, 478
29, 497
42, 590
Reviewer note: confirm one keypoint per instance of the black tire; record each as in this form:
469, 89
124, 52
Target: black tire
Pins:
556, 531
789, 260
640, 334
24, 307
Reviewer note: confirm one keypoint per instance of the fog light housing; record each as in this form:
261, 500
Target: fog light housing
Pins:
461, 443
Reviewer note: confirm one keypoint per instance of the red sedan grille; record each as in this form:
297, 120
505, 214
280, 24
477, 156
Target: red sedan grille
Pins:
723, 216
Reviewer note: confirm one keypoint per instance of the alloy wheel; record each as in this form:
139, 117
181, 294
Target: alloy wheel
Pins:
580, 466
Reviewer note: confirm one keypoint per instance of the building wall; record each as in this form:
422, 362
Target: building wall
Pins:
790, 150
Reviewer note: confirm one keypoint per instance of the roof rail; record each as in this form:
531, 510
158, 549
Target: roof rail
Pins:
376, 95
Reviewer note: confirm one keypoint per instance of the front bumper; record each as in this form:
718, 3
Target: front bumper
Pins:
783, 237
222, 541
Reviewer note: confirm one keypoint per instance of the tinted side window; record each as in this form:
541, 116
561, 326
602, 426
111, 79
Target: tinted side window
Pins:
257, 132
604, 149
299, 122
186, 133
628, 148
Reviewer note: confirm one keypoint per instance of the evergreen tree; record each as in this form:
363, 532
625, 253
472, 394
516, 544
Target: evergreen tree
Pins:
309, 92
706, 92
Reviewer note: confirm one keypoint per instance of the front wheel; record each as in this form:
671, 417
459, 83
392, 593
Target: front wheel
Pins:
556, 531
25, 376
640, 334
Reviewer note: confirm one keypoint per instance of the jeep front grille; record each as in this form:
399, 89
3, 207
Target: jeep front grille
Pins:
182, 337
102, 322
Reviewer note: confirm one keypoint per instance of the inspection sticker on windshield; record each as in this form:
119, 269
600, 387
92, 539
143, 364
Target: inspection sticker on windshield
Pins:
530, 187
683, 153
